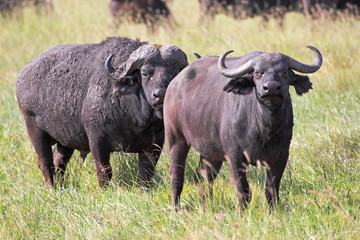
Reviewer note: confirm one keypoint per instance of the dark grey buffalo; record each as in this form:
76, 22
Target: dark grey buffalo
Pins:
139, 11
212, 6
7, 6
309, 5
70, 99
240, 8
241, 114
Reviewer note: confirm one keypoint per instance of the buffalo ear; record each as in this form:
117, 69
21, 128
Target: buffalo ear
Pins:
301, 83
125, 86
240, 85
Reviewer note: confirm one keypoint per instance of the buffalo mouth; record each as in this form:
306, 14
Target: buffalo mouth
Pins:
158, 106
159, 111
272, 98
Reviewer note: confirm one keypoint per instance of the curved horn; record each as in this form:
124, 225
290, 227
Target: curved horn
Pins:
236, 72
305, 68
108, 68
197, 55
171, 52
137, 57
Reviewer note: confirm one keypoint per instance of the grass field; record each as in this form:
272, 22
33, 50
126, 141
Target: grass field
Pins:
320, 190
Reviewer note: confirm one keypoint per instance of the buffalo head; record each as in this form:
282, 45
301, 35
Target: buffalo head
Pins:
271, 75
148, 70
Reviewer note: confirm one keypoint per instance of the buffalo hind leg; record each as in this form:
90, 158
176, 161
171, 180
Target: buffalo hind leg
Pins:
62, 157
147, 163
42, 144
207, 170
178, 153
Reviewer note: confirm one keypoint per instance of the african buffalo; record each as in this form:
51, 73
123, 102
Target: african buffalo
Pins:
212, 6
139, 11
70, 99
308, 5
242, 115
240, 8
7, 6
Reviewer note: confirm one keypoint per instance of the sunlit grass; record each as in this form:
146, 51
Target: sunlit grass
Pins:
320, 189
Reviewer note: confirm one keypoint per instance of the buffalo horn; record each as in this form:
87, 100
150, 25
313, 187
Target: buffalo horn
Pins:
197, 55
109, 69
171, 52
236, 72
137, 57
305, 68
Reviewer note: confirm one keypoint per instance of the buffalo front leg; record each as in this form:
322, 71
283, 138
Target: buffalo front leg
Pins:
273, 178
238, 168
101, 155
147, 163
62, 157
207, 170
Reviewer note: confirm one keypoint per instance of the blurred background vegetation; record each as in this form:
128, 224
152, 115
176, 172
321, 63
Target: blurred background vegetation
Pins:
320, 195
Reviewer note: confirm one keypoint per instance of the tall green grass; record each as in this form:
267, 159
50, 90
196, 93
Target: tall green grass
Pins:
320, 195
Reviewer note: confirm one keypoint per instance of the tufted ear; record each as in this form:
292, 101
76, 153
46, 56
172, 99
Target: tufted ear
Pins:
301, 83
125, 85
240, 85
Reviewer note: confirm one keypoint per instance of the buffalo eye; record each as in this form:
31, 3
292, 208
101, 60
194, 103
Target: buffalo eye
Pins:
147, 70
173, 69
258, 74
147, 73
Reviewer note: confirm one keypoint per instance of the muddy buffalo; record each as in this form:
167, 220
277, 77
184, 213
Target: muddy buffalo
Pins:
241, 114
69, 98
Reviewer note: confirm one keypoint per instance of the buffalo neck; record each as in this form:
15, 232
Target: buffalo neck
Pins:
132, 109
272, 123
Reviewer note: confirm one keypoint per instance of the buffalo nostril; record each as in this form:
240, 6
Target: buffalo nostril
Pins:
156, 93
271, 87
159, 94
